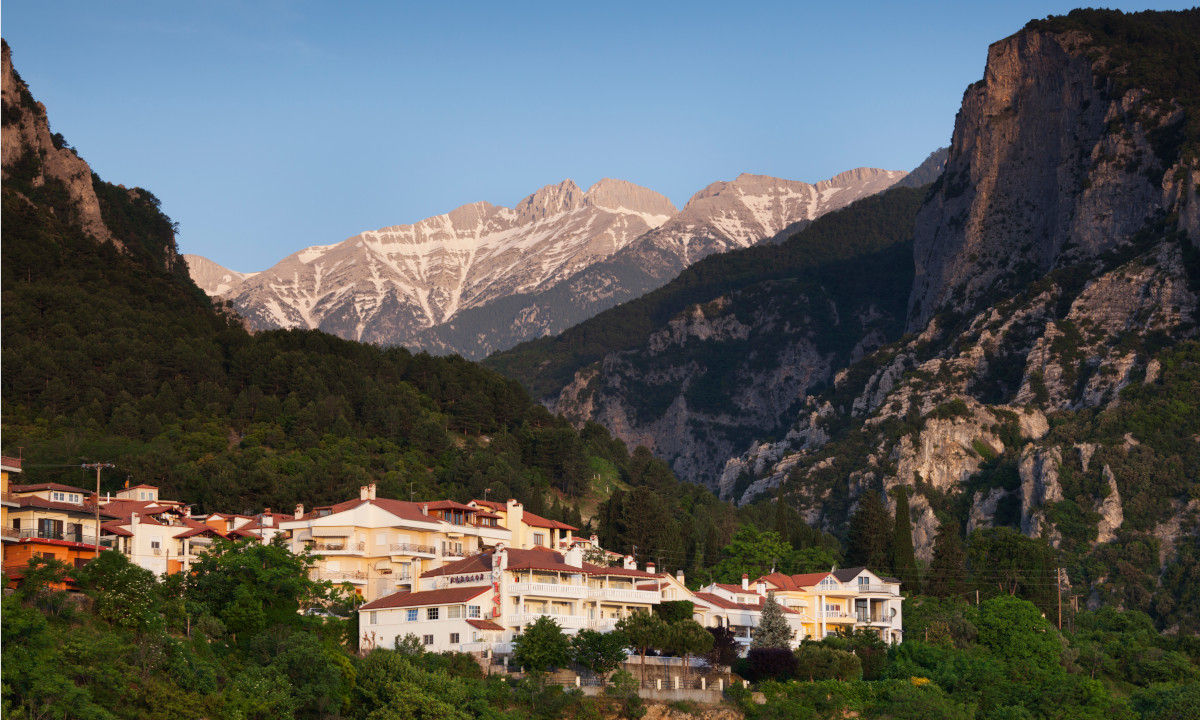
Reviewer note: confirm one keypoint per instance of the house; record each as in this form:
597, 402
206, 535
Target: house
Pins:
841, 600
528, 529
739, 608
8, 535
513, 587
380, 546
51, 520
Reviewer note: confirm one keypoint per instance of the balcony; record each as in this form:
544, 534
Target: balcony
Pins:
836, 616
66, 535
339, 547
878, 589
566, 622
413, 549
10, 534
340, 576
549, 589
647, 597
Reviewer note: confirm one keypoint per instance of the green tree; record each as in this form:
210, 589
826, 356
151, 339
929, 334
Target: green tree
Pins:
542, 646
751, 552
599, 652
251, 586
948, 568
643, 631
772, 630
123, 593
687, 639
904, 560
672, 611
869, 539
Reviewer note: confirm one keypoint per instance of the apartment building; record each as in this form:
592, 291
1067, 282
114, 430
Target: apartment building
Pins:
380, 546
511, 588
528, 529
8, 535
739, 608
840, 600
50, 520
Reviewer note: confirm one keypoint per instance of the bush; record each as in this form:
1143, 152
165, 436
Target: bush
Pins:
814, 661
770, 664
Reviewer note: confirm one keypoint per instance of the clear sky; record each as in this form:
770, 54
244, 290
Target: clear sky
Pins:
266, 127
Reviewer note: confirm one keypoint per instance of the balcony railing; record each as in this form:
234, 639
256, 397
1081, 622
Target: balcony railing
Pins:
552, 589
571, 622
339, 547
10, 533
879, 589
413, 548
624, 595
354, 576
61, 535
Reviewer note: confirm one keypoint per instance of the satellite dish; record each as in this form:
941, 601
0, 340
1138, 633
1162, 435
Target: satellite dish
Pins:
893, 613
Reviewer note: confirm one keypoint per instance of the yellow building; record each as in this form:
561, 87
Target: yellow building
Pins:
380, 546
528, 529
839, 600
51, 520
7, 534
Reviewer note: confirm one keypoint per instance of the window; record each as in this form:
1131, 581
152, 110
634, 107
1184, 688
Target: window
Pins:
454, 612
453, 638
412, 615
863, 581
427, 639
381, 540
431, 613
472, 611
539, 538
371, 618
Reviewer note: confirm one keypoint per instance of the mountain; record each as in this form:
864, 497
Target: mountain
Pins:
928, 171
211, 277
112, 354
1038, 372
483, 278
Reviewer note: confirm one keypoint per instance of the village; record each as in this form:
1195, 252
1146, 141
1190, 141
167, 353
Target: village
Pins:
463, 577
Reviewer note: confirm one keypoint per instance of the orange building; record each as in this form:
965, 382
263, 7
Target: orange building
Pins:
50, 520
7, 534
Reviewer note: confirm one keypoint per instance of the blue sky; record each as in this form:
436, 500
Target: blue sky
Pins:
266, 127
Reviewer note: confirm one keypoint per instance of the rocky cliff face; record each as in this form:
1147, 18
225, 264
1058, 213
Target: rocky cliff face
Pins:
482, 278
1049, 165
1056, 278
211, 277
28, 147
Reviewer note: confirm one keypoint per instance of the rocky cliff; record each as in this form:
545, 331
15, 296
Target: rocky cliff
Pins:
1056, 278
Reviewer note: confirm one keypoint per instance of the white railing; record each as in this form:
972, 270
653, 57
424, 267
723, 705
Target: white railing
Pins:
413, 548
618, 594
569, 622
353, 576
879, 589
552, 589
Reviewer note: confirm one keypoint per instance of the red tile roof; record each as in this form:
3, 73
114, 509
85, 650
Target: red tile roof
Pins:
538, 521
484, 625
727, 604
793, 582
82, 509
46, 486
427, 597
448, 505
491, 504
538, 558
123, 508
114, 528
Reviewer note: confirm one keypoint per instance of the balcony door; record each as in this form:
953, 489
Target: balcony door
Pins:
50, 529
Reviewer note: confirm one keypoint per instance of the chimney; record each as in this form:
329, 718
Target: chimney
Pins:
679, 577
133, 519
268, 519
761, 588
362, 492
574, 557
371, 491
745, 581
299, 510
425, 509
514, 514
500, 558
650, 567
630, 563
595, 541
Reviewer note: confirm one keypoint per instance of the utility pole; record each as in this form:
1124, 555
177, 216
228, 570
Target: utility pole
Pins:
98, 467
1058, 584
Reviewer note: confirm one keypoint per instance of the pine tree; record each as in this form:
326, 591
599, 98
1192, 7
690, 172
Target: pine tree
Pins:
904, 560
948, 569
869, 541
773, 630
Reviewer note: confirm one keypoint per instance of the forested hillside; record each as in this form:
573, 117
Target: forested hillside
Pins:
112, 354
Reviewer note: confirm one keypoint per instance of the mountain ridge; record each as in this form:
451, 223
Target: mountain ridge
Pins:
481, 277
